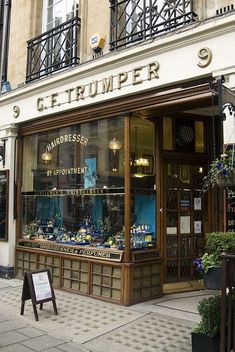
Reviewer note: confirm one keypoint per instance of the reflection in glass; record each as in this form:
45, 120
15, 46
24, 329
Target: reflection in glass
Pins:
77, 195
142, 141
73, 197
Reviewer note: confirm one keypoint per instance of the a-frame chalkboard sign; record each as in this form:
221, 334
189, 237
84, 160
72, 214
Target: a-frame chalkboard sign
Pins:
37, 286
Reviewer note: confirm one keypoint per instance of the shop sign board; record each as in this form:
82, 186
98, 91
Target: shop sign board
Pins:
37, 286
140, 72
109, 254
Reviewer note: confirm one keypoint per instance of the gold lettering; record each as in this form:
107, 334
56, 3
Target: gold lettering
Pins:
122, 78
107, 85
69, 94
79, 92
40, 106
205, 55
152, 70
93, 88
16, 111
136, 75
53, 99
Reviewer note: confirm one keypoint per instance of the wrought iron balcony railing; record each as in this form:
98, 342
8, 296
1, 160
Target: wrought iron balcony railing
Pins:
53, 50
138, 20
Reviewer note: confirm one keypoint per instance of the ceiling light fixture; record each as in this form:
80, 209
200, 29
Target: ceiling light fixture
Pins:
115, 144
46, 157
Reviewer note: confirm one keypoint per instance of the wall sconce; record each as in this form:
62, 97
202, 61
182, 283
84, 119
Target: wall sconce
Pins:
2, 152
115, 144
46, 157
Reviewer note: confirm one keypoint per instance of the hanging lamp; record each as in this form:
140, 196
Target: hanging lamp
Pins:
115, 144
46, 157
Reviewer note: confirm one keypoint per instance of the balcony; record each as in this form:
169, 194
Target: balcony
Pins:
53, 50
135, 21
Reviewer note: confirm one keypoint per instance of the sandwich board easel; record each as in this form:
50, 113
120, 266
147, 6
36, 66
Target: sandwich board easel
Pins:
37, 286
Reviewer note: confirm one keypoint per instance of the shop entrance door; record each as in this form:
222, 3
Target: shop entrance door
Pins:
184, 219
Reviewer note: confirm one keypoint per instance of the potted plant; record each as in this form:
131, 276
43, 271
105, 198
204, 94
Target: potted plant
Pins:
221, 172
206, 334
210, 263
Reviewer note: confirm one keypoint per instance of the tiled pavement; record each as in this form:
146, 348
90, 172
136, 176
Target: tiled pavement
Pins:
86, 324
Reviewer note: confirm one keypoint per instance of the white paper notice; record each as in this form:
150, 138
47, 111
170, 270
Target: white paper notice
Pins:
171, 230
197, 227
197, 204
185, 224
41, 285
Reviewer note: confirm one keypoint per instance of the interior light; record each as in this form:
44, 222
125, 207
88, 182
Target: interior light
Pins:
46, 157
115, 144
200, 169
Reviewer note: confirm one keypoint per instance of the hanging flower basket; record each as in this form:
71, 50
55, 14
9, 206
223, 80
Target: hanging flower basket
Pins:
227, 181
221, 172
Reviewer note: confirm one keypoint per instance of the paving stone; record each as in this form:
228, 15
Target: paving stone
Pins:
4, 317
13, 325
53, 349
42, 342
71, 347
15, 348
31, 332
11, 337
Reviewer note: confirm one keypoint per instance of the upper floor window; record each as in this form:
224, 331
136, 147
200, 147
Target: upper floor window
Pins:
58, 46
56, 12
135, 20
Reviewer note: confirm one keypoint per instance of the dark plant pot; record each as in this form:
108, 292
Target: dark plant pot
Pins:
213, 278
205, 343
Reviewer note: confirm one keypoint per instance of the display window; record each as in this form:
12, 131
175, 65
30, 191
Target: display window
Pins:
143, 197
73, 185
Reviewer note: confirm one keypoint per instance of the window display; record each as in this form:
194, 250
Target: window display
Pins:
73, 187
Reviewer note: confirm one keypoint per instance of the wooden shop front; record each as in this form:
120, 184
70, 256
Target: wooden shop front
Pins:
100, 273
94, 195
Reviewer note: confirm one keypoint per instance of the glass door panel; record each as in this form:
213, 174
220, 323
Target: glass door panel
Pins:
183, 219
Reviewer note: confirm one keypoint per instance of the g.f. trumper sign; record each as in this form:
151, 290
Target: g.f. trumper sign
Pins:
123, 82
137, 75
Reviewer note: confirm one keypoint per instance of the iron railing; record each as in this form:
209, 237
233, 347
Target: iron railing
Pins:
138, 20
227, 334
53, 50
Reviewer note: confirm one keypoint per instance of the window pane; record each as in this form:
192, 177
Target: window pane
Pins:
69, 191
142, 143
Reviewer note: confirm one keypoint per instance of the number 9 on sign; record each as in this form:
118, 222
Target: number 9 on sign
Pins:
205, 55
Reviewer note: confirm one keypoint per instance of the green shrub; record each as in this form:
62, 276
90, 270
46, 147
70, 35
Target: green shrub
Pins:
209, 261
209, 310
218, 242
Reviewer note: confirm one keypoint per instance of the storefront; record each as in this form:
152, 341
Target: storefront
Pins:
107, 162
105, 227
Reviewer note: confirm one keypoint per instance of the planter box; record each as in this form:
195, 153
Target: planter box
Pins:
205, 343
213, 278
